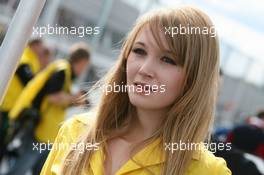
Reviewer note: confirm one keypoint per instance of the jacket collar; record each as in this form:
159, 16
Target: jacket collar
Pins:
148, 156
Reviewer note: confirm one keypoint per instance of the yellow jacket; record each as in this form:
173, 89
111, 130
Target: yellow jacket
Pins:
203, 163
15, 87
51, 115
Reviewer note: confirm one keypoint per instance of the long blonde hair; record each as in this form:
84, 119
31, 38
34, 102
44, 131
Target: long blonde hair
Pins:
190, 117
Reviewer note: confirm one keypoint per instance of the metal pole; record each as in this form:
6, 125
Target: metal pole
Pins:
50, 11
102, 21
17, 35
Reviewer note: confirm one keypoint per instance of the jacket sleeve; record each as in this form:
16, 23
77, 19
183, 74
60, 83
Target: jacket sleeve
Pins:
221, 167
60, 147
24, 73
69, 134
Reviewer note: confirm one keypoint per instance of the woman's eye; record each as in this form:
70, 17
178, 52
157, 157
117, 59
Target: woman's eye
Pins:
168, 60
139, 51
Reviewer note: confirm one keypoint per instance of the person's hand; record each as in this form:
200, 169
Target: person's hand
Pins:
80, 99
60, 98
65, 99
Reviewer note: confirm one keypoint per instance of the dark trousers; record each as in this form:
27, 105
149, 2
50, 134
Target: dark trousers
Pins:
4, 124
29, 157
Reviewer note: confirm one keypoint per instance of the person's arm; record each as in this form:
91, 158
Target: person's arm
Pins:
24, 73
69, 134
63, 99
221, 167
54, 161
54, 89
55, 93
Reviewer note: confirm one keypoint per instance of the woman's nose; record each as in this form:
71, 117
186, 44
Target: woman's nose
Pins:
147, 68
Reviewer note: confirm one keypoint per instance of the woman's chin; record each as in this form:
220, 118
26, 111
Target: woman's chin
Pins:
142, 101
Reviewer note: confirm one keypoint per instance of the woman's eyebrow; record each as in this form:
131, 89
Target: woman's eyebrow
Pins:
140, 43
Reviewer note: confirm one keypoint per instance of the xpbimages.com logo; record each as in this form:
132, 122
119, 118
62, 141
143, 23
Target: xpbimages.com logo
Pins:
196, 30
80, 31
145, 89
80, 147
213, 147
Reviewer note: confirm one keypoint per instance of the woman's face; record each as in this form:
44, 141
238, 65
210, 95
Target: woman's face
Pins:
153, 73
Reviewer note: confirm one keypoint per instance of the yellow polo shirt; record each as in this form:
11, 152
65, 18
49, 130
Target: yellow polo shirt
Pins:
203, 163
16, 87
51, 116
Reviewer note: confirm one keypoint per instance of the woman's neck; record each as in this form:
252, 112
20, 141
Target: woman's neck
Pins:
144, 124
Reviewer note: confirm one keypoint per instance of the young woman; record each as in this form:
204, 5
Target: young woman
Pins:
138, 131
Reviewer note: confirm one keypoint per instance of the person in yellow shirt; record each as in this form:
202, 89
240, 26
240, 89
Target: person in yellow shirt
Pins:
33, 59
44, 101
160, 94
